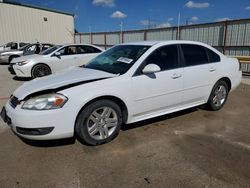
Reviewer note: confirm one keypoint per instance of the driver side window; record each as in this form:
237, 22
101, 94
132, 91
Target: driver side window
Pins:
69, 50
165, 57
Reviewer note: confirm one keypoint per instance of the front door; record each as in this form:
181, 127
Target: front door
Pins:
159, 92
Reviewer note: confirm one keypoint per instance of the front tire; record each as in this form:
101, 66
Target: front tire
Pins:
99, 122
218, 96
40, 70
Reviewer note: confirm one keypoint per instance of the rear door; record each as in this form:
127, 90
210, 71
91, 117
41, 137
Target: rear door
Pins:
159, 92
199, 73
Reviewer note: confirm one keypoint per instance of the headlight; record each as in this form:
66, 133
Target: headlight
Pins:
45, 102
22, 62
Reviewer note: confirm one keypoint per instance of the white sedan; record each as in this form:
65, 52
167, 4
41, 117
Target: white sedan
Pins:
127, 83
53, 60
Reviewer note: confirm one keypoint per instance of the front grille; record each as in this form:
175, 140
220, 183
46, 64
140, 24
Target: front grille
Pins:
14, 101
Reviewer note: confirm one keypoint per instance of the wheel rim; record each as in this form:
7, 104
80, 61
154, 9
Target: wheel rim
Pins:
41, 71
102, 123
220, 95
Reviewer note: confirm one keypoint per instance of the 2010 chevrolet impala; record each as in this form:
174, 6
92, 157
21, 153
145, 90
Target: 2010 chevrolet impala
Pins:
127, 83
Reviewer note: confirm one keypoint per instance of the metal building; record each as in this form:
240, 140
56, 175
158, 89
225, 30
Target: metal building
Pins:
27, 23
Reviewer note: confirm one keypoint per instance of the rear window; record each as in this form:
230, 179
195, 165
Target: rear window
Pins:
213, 57
87, 49
194, 54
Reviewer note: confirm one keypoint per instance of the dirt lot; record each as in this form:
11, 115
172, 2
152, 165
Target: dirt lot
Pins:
192, 148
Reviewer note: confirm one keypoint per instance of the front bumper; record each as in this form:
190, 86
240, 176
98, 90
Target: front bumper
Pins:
39, 125
26, 131
22, 71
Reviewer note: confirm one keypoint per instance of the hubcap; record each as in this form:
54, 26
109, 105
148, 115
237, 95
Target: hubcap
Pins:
102, 123
219, 95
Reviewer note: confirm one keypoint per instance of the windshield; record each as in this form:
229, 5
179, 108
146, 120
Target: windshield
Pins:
118, 59
50, 50
8, 44
23, 47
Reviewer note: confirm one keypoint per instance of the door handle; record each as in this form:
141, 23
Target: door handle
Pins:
212, 69
175, 76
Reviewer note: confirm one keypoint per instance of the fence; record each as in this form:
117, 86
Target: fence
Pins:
230, 37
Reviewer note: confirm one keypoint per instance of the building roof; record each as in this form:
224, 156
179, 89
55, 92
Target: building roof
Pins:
35, 7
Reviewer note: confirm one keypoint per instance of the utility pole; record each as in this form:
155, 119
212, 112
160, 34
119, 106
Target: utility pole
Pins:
178, 31
121, 30
90, 35
149, 22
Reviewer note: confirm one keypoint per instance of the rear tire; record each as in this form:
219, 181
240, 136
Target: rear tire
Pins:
218, 96
40, 70
99, 122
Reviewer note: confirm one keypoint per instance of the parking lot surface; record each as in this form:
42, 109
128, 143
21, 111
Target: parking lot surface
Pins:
191, 148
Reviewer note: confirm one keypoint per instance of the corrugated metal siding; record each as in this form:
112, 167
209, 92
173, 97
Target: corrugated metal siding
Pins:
98, 38
85, 38
247, 35
240, 51
77, 39
245, 68
130, 37
20, 23
162, 35
212, 35
113, 38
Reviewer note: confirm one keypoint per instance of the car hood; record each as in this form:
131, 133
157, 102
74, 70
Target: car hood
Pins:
63, 80
25, 58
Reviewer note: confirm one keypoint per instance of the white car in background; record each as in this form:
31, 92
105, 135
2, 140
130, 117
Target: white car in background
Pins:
53, 60
127, 83
13, 46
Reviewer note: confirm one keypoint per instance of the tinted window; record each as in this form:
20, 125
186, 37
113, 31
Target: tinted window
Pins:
45, 46
194, 54
165, 57
87, 49
31, 49
213, 57
69, 50
24, 47
50, 50
8, 44
13, 46
21, 44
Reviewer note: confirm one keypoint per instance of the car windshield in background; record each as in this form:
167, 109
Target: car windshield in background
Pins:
50, 50
23, 47
119, 59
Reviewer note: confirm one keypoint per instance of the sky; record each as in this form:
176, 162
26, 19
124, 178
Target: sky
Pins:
107, 15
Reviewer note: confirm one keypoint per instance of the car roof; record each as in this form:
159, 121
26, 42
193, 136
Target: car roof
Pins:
152, 43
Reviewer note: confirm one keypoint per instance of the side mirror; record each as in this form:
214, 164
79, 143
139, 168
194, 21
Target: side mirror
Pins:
57, 54
151, 68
